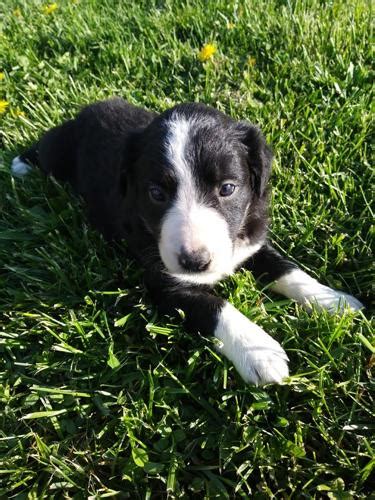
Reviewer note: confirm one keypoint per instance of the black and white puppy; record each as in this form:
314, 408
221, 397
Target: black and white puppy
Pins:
187, 189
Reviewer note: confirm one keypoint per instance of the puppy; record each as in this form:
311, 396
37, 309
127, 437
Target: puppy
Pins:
187, 189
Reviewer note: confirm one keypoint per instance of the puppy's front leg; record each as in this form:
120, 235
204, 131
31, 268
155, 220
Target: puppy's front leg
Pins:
287, 279
258, 358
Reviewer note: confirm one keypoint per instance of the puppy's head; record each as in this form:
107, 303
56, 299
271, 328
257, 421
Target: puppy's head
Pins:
199, 176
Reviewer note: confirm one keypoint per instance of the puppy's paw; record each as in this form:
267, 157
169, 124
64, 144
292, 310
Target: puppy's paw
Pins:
258, 358
261, 363
335, 301
310, 293
19, 168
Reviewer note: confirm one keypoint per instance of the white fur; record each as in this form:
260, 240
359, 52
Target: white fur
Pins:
299, 286
257, 357
177, 138
19, 168
189, 224
194, 227
243, 250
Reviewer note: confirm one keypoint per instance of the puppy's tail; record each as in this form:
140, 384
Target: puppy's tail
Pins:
22, 164
54, 154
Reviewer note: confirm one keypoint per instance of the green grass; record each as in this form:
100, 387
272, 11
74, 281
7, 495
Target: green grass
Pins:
100, 395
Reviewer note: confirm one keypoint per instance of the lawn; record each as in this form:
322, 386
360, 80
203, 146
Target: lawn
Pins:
102, 396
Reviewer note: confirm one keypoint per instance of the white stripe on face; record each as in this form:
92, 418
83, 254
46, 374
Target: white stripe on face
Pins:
189, 224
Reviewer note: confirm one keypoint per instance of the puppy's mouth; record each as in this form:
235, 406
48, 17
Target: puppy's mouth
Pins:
202, 269
199, 278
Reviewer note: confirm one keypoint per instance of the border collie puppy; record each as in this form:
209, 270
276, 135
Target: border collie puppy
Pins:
187, 189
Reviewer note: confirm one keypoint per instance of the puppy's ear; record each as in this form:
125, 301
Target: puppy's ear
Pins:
259, 156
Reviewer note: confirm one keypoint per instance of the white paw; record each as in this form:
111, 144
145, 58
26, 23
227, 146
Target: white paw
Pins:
309, 292
19, 168
334, 300
257, 357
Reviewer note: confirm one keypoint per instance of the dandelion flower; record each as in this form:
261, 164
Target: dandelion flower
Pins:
2, 76
19, 112
48, 9
3, 106
251, 61
206, 52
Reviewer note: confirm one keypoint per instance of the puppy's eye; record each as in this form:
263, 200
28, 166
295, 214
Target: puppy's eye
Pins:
227, 189
157, 194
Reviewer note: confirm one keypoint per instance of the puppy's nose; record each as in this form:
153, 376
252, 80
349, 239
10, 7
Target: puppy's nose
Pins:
196, 260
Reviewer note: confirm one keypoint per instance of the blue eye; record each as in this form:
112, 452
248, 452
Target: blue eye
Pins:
157, 194
227, 189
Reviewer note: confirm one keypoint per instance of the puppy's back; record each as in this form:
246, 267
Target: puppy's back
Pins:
115, 115
98, 131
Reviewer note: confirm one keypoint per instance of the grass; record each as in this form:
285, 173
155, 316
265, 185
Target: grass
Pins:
100, 395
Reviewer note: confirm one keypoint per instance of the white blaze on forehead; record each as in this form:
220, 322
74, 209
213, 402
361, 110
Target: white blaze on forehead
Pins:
177, 141
190, 224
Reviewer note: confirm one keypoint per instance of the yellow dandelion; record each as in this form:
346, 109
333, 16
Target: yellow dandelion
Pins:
251, 61
17, 12
3, 106
2, 76
206, 52
48, 9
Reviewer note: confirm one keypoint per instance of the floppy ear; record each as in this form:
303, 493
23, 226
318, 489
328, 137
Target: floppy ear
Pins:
259, 156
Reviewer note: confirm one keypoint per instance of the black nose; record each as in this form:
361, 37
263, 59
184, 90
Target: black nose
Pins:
197, 260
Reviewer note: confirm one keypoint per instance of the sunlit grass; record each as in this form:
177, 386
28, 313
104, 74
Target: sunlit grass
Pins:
100, 395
